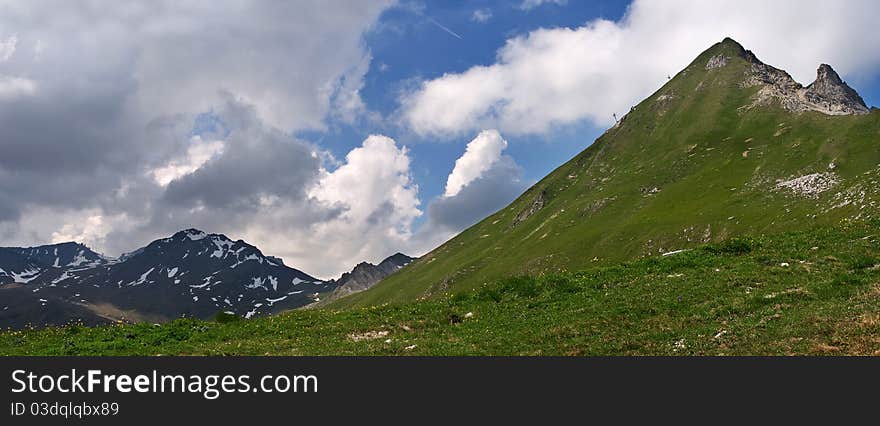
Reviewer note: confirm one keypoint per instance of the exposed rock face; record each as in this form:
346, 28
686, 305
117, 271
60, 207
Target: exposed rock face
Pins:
366, 275
533, 208
809, 185
717, 61
828, 94
831, 94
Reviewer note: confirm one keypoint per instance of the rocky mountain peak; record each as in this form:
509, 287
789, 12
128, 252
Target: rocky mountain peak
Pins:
734, 47
829, 94
726, 49
827, 74
365, 275
398, 259
832, 95
191, 233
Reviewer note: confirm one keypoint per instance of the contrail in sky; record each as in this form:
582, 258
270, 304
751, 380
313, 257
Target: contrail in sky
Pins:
444, 28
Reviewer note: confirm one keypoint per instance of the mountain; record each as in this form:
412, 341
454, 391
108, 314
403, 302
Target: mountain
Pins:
191, 273
23, 265
728, 146
366, 275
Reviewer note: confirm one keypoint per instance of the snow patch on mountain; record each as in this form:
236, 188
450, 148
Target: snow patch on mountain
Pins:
143, 277
195, 234
25, 276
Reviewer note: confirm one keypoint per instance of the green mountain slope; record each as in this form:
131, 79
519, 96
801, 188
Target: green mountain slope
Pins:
809, 292
729, 146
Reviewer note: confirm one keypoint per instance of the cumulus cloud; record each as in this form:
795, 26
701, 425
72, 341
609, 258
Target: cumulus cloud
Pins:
559, 76
496, 187
90, 228
483, 181
374, 180
377, 202
272, 55
288, 197
265, 186
479, 156
110, 76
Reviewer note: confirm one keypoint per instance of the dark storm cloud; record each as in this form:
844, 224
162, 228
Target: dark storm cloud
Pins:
64, 146
257, 161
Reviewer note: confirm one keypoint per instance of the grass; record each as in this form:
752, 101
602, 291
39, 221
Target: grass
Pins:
809, 292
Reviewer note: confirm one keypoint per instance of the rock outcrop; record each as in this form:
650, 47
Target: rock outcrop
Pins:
832, 95
533, 208
717, 61
366, 275
829, 94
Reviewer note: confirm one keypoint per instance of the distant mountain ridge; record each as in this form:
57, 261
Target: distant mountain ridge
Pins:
366, 275
191, 273
23, 265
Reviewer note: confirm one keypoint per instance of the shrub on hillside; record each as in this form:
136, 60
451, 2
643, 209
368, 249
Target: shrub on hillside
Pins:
735, 246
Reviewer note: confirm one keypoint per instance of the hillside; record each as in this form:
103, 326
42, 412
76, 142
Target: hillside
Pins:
728, 146
808, 292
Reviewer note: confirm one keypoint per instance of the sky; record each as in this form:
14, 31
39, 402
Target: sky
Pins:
334, 132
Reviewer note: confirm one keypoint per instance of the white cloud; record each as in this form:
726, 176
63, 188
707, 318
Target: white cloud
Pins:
89, 232
181, 54
531, 4
483, 181
198, 153
377, 202
374, 175
362, 210
50, 226
481, 15
7, 48
559, 76
13, 87
479, 156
